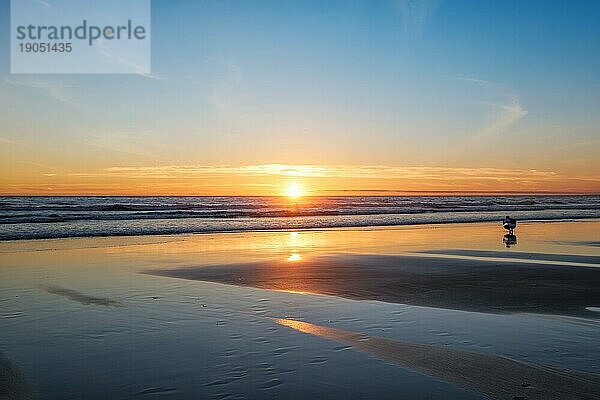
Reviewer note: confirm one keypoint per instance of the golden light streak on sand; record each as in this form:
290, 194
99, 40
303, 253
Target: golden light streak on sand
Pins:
489, 374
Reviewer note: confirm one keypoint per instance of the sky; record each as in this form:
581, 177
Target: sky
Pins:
340, 97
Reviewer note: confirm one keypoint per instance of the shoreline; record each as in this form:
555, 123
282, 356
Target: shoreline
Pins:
298, 229
553, 269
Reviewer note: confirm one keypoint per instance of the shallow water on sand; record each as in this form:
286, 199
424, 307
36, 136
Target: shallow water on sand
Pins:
82, 318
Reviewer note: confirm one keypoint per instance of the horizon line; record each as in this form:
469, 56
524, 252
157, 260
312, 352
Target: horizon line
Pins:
391, 193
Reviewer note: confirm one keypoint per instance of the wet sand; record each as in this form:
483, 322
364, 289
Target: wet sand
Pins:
81, 298
131, 317
496, 286
12, 382
507, 378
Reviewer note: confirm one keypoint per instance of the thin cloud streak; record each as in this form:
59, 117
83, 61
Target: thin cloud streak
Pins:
46, 5
7, 140
107, 52
54, 89
126, 142
506, 112
506, 115
415, 14
269, 179
223, 96
332, 171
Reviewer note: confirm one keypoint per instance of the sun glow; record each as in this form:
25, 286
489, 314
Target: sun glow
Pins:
294, 190
294, 257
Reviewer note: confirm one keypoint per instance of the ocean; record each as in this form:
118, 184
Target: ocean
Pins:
61, 217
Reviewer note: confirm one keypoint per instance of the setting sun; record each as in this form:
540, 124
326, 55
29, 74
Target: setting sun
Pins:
294, 257
294, 190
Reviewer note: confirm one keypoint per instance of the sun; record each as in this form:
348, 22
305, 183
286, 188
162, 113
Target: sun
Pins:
294, 190
294, 257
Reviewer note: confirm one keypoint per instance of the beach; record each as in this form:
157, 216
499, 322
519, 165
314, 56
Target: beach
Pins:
329, 200
473, 285
427, 311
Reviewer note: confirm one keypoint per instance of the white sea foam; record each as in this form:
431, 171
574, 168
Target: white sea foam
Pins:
53, 217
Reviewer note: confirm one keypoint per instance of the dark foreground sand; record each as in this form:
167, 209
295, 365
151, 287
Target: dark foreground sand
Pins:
488, 286
12, 383
81, 298
488, 374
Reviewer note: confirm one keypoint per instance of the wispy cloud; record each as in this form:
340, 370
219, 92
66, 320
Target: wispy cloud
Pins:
416, 14
55, 89
505, 108
222, 95
7, 140
593, 143
505, 116
127, 142
268, 179
210, 179
330, 171
109, 52
44, 4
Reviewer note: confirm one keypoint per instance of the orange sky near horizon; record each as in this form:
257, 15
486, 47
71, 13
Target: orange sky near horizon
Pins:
275, 179
340, 98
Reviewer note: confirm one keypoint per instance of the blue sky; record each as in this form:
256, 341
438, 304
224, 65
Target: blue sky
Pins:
444, 84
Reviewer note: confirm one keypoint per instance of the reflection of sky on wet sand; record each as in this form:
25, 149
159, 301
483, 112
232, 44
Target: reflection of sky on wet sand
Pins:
509, 379
549, 237
188, 338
